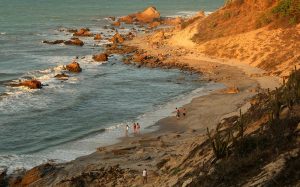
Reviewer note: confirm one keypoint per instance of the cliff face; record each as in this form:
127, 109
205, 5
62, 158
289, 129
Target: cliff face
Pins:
263, 33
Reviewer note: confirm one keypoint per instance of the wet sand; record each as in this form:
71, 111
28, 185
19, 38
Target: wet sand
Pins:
175, 138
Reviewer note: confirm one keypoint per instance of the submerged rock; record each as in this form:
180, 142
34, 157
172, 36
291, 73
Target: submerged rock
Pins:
53, 42
100, 57
117, 38
85, 32
32, 84
97, 37
62, 76
74, 41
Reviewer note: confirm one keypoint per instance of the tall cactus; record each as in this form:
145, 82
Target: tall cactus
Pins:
241, 125
219, 144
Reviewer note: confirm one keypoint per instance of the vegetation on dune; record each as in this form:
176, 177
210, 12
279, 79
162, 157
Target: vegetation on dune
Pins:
286, 11
242, 156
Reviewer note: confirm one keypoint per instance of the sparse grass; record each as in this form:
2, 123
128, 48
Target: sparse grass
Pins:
249, 153
289, 9
175, 171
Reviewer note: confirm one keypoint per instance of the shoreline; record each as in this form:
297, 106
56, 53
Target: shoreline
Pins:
203, 111
147, 150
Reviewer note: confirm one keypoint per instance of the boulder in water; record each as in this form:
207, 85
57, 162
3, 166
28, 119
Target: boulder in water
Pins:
53, 42
62, 76
116, 24
32, 84
126, 19
100, 57
97, 37
85, 32
117, 38
74, 67
74, 41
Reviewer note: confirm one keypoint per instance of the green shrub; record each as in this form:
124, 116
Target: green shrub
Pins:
288, 8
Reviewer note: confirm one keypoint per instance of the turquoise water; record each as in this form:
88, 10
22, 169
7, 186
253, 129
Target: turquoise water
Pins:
69, 119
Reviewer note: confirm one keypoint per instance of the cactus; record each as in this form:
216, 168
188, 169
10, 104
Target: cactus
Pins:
219, 144
276, 104
241, 124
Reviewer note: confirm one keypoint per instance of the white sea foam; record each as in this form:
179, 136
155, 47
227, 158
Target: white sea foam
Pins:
16, 162
187, 14
113, 132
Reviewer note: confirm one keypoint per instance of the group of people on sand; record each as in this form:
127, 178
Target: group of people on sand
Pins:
136, 128
180, 112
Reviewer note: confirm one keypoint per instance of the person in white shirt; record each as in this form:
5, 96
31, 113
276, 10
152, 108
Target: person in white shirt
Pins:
145, 175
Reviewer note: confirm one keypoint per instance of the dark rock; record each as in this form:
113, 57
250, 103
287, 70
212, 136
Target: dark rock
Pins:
100, 57
74, 41
74, 67
32, 84
53, 42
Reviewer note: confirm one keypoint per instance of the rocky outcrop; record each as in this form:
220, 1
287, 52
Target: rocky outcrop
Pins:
74, 41
116, 24
148, 15
100, 57
112, 18
97, 37
36, 173
83, 32
123, 49
53, 42
104, 176
232, 90
62, 76
15, 179
74, 67
129, 36
117, 38
154, 24
126, 19
157, 37
173, 21
32, 84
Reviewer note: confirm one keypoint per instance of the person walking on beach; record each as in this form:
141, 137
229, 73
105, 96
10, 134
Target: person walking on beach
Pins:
177, 113
145, 175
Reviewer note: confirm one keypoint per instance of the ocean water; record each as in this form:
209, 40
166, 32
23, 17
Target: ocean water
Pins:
67, 119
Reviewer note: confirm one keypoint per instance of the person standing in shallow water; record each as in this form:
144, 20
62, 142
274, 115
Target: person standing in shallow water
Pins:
126, 131
145, 175
138, 127
177, 113
134, 128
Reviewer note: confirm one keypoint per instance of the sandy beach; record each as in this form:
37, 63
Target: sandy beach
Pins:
176, 150
175, 138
